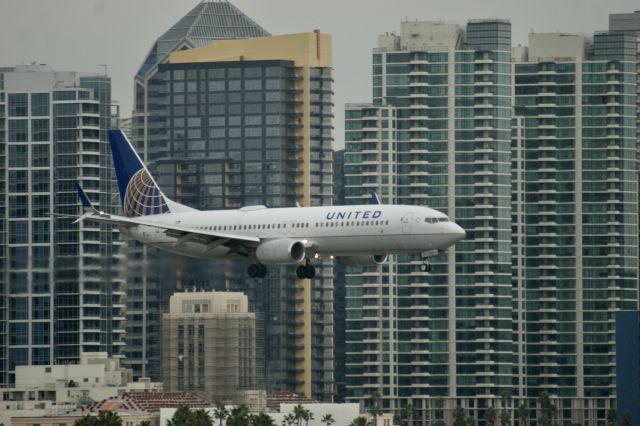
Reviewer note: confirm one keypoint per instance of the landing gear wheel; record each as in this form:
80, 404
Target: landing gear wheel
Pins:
305, 272
257, 270
253, 271
262, 270
425, 267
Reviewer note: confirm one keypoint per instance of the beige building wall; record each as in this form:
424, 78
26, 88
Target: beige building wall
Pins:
209, 345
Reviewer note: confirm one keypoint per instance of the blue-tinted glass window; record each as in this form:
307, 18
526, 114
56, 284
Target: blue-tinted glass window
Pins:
18, 206
64, 95
40, 206
19, 333
40, 307
40, 181
19, 308
39, 281
18, 180
19, 232
40, 356
18, 284
40, 155
18, 356
18, 105
41, 258
39, 104
41, 334
18, 131
18, 155
19, 257
40, 230
40, 130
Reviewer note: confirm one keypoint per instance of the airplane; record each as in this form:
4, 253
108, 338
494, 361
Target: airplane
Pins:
354, 234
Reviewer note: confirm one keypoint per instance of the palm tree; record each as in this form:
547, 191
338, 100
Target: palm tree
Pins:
306, 416
408, 411
459, 417
505, 415
360, 421
548, 410
522, 413
239, 416
490, 416
145, 423
200, 418
262, 419
288, 420
611, 417
181, 417
298, 414
375, 410
626, 420
328, 419
87, 420
108, 418
220, 413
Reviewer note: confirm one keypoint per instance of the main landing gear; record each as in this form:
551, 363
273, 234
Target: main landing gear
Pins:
306, 270
257, 270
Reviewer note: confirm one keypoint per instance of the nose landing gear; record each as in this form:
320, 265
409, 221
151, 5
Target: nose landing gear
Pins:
426, 266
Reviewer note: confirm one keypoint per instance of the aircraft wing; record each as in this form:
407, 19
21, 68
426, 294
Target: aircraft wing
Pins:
209, 239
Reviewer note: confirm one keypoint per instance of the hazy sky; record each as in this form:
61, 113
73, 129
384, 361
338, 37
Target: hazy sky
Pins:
80, 35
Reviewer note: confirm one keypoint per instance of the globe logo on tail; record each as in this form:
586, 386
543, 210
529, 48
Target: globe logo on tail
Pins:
143, 197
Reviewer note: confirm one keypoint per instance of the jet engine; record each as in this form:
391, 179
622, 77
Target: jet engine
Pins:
280, 251
375, 259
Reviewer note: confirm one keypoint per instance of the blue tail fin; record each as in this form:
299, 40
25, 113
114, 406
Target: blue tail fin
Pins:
139, 193
374, 197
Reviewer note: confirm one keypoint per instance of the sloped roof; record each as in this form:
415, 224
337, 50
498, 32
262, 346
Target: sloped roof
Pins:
209, 20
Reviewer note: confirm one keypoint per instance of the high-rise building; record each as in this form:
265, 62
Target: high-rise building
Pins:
249, 122
575, 216
437, 134
339, 291
151, 276
208, 345
534, 154
61, 293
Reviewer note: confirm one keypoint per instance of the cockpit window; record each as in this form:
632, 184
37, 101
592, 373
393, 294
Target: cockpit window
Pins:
436, 219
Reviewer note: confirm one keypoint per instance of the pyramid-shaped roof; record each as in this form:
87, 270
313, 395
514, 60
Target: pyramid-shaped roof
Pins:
209, 20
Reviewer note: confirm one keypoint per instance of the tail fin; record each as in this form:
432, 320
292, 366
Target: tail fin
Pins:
374, 197
139, 192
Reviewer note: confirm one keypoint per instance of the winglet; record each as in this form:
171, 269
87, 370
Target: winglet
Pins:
374, 197
83, 197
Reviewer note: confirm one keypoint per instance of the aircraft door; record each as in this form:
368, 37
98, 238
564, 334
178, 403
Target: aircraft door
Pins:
406, 222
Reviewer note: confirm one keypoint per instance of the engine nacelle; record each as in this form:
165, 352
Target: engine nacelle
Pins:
366, 260
281, 251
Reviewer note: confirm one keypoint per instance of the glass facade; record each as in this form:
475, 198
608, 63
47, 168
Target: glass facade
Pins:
575, 220
56, 269
437, 134
149, 289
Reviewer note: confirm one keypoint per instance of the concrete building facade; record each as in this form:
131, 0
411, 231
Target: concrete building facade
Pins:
208, 345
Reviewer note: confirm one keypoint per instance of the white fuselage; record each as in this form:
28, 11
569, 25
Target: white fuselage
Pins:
326, 231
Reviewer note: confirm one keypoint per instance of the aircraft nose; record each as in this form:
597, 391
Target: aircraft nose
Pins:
457, 232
